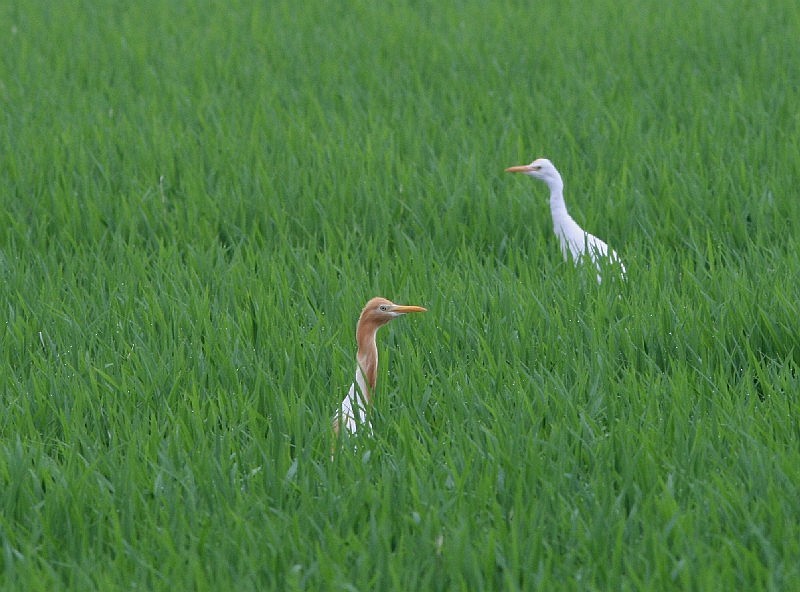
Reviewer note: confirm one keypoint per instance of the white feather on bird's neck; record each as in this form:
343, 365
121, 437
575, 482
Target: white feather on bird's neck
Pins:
570, 234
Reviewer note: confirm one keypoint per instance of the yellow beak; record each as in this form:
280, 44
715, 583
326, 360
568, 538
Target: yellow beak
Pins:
525, 168
404, 309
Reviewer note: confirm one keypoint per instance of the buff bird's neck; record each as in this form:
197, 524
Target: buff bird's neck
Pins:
367, 356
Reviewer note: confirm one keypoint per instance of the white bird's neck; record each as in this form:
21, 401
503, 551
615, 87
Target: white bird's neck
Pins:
562, 221
571, 237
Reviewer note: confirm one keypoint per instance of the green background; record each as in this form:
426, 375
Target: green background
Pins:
197, 198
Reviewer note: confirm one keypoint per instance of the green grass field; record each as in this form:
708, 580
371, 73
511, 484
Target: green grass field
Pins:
198, 198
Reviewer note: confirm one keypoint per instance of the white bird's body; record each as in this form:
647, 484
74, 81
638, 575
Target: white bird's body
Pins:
573, 240
352, 413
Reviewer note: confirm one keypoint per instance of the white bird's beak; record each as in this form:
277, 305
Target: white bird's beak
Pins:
525, 168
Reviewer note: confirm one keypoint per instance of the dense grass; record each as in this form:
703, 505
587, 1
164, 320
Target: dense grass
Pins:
198, 198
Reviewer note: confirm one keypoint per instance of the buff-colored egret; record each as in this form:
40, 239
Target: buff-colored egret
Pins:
574, 240
352, 413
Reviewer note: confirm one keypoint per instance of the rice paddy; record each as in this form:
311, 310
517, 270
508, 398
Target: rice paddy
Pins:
198, 198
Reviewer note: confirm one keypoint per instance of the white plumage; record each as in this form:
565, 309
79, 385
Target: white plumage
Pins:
353, 410
573, 239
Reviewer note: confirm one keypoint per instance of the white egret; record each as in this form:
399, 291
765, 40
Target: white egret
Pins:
573, 239
352, 412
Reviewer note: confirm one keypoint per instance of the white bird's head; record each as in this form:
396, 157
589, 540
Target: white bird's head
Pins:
542, 169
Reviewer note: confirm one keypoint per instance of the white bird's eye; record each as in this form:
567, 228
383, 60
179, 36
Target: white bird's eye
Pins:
383, 307
536, 167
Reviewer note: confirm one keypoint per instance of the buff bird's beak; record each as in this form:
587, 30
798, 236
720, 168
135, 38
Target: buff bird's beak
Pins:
402, 309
